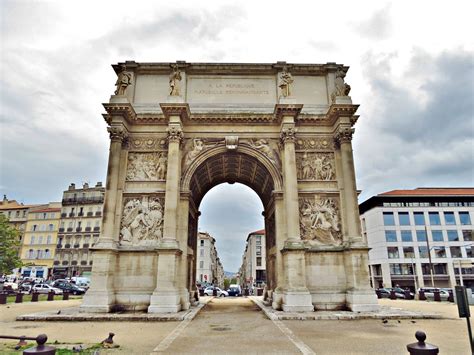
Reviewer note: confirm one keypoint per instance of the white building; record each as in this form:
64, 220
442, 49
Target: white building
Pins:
253, 269
209, 269
420, 236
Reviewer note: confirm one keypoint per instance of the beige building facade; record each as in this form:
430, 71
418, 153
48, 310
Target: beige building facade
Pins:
79, 228
253, 269
209, 269
179, 129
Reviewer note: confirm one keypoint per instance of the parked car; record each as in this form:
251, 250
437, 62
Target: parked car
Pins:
234, 291
45, 288
429, 292
209, 291
69, 287
385, 292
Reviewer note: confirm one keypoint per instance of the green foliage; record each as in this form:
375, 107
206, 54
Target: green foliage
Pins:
228, 282
9, 245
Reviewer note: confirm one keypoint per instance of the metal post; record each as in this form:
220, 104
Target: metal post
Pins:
461, 282
429, 258
413, 266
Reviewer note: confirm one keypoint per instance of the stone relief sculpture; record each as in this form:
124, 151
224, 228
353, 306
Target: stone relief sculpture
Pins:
175, 78
142, 221
146, 166
265, 147
342, 89
124, 79
286, 79
195, 147
315, 166
319, 221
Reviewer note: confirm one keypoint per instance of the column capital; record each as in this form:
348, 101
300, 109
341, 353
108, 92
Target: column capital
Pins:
117, 133
175, 133
288, 134
343, 135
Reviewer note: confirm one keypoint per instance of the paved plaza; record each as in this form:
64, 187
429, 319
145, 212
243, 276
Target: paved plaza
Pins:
238, 325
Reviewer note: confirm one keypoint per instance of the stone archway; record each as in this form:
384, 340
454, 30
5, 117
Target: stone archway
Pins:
283, 129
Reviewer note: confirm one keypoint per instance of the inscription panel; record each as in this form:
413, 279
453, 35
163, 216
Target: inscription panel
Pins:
231, 89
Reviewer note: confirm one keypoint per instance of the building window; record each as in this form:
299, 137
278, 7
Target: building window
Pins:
393, 253
453, 236
437, 236
32, 240
439, 252
201, 264
51, 227
201, 252
421, 236
464, 218
425, 269
406, 236
202, 243
200, 278
468, 235
440, 269
31, 254
259, 261
395, 269
449, 218
388, 219
40, 239
391, 236
259, 250
419, 218
34, 227
434, 218
455, 252
469, 252
403, 218
47, 254
423, 251
408, 252
39, 254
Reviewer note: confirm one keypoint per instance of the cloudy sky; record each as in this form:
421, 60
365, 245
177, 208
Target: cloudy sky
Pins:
411, 71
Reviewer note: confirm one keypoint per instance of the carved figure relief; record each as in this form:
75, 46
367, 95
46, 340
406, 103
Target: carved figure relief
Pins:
267, 148
124, 79
341, 88
175, 78
319, 221
315, 166
146, 166
142, 221
286, 80
195, 147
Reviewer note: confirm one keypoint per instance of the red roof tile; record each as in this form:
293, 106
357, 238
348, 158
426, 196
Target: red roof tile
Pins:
432, 191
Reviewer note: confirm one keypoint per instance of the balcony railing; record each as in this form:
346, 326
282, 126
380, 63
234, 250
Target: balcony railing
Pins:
98, 213
59, 246
67, 246
56, 262
65, 262
90, 214
85, 245
76, 246
72, 214
74, 262
83, 262
80, 214
88, 229
82, 200
78, 229
61, 230
69, 229
63, 215
96, 229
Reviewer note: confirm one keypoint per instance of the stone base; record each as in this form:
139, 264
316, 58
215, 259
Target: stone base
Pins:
165, 302
97, 302
329, 301
297, 302
119, 99
343, 100
277, 299
362, 301
174, 99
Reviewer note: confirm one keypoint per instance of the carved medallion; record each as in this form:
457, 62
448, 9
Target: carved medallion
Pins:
315, 143
319, 221
146, 166
147, 143
315, 166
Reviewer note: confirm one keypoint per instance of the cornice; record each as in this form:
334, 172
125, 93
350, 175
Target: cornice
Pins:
292, 110
175, 109
125, 110
342, 110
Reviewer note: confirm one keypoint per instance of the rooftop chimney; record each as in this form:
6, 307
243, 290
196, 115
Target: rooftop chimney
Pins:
85, 186
72, 186
5, 199
99, 184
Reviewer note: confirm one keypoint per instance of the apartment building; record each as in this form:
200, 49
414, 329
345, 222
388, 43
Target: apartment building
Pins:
209, 269
420, 237
252, 273
79, 229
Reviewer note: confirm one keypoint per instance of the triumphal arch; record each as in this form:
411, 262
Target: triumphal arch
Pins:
179, 129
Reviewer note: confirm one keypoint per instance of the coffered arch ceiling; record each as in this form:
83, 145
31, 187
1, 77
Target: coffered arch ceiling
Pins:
232, 167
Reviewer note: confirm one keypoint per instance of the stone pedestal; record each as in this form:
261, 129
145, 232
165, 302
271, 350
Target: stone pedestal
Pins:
296, 297
101, 297
166, 298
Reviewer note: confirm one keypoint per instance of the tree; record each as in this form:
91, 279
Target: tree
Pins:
9, 245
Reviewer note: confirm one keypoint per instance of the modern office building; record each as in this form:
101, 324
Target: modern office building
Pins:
253, 270
209, 269
79, 228
420, 237
39, 243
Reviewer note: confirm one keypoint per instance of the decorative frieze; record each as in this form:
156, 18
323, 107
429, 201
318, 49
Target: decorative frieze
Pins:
142, 221
146, 166
315, 143
147, 143
315, 166
320, 222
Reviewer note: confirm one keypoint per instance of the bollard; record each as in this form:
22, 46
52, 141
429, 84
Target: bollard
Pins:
408, 295
246, 292
19, 297
421, 295
3, 298
450, 296
51, 296
422, 348
259, 291
40, 348
65, 296
378, 293
214, 292
34, 297
437, 295
393, 296
201, 292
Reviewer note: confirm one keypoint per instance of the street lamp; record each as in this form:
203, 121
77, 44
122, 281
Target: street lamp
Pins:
429, 258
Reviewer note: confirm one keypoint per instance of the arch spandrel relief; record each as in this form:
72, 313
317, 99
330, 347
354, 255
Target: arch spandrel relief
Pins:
142, 221
269, 147
193, 147
146, 166
320, 222
315, 166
